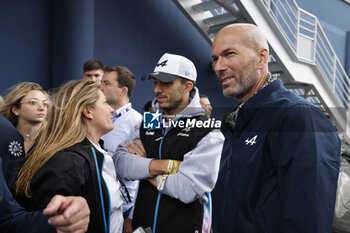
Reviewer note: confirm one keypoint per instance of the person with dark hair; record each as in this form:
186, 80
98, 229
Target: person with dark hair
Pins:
93, 70
148, 106
280, 162
118, 84
204, 100
178, 199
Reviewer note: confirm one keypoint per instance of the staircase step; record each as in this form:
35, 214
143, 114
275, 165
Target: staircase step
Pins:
208, 5
220, 19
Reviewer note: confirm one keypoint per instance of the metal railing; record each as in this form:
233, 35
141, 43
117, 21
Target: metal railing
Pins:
310, 44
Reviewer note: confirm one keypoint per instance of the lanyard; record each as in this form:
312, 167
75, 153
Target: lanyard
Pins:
105, 221
116, 116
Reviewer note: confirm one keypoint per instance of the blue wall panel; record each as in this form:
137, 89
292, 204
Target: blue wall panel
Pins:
25, 42
73, 38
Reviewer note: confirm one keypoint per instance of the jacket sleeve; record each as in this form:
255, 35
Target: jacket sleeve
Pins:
198, 172
306, 150
14, 218
12, 152
65, 173
129, 166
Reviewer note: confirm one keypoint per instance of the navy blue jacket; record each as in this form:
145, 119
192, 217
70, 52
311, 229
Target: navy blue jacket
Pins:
11, 150
279, 167
13, 218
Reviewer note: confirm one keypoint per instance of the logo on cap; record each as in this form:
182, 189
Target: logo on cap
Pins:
162, 64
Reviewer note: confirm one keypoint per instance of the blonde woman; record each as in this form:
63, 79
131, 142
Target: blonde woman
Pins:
26, 107
68, 160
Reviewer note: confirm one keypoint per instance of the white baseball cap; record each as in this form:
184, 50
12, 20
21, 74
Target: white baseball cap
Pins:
171, 67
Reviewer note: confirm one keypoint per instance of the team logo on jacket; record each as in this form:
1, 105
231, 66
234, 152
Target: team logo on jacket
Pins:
185, 132
16, 149
251, 141
149, 132
152, 120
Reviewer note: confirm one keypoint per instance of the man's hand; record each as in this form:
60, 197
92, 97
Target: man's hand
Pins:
71, 214
153, 181
156, 166
136, 148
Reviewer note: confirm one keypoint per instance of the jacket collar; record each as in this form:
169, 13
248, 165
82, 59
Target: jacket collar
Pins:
256, 102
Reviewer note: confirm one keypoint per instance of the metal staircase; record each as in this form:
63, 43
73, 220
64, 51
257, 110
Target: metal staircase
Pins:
300, 52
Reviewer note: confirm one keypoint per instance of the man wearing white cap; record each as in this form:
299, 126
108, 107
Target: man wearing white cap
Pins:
178, 199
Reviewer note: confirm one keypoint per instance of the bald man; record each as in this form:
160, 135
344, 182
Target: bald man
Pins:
280, 162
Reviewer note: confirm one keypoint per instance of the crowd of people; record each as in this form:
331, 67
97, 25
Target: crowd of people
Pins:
85, 158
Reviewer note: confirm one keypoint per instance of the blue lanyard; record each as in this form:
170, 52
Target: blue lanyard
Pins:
106, 225
159, 193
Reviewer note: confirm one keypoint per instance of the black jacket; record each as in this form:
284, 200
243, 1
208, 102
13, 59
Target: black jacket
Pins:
173, 215
73, 172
